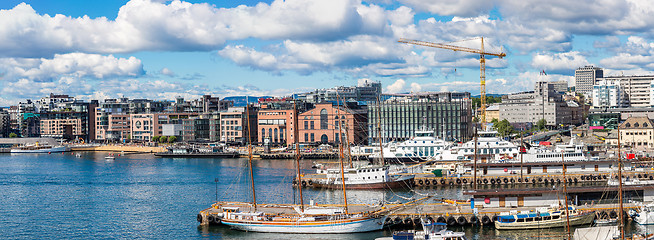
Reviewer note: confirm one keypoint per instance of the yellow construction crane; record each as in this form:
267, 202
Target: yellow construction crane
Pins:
482, 63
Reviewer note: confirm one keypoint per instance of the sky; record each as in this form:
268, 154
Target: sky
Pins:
160, 49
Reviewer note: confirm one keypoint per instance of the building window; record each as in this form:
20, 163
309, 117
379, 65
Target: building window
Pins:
276, 136
306, 137
306, 124
263, 134
323, 119
313, 139
312, 127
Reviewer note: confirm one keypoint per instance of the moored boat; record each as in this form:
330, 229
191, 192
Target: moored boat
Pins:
367, 177
543, 218
431, 231
40, 148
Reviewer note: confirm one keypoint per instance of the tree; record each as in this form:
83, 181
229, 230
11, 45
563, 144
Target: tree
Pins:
540, 125
13, 135
503, 127
172, 139
155, 139
163, 139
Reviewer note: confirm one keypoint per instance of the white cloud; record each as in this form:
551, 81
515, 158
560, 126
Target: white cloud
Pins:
636, 54
167, 72
78, 65
396, 87
564, 63
464, 8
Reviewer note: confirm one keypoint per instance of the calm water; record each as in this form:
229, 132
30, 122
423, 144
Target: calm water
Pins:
60, 196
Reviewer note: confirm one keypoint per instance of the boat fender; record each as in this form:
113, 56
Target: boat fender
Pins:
576, 180
451, 183
558, 181
552, 180
569, 180
461, 220
651, 178
493, 181
408, 221
485, 220
199, 218
420, 182
443, 181
434, 182
512, 180
458, 181
310, 182
519, 180
603, 215
613, 214
506, 180
397, 220
216, 220
430, 219
533, 180
645, 175
485, 181
304, 183
604, 177
210, 219
499, 180
594, 178
474, 220
540, 179
495, 217
640, 176
582, 177
416, 221
440, 219
427, 182
451, 221
465, 181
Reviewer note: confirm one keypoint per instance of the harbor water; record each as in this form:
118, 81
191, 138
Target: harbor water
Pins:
140, 196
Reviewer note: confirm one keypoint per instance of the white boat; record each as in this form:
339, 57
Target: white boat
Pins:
422, 147
431, 231
543, 218
490, 148
572, 153
40, 148
366, 177
644, 215
597, 233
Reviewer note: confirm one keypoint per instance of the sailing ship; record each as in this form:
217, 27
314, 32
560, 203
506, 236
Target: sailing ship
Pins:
304, 220
366, 177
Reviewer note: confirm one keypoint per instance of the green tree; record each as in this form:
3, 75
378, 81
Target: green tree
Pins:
163, 139
540, 125
155, 139
172, 139
13, 135
503, 127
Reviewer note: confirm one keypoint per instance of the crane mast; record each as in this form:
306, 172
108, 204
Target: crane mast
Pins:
482, 64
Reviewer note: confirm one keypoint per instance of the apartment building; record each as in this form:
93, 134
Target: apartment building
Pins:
585, 78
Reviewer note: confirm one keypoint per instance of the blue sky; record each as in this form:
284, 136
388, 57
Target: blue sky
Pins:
163, 49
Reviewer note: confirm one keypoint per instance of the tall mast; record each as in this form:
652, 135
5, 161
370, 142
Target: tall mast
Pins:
297, 154
254, 195
341, 157
474, 166
381, 148
520, 152
620, 217
565, 193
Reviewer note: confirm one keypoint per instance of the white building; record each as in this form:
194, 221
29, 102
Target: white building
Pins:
638, 89
609, 94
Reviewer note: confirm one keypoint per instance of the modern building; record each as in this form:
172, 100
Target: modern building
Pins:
637, 132
276, 126
545, 102
234, 126
609, 94
328, 123
400, 115
585, 78
638, 89
365, 91
68, 128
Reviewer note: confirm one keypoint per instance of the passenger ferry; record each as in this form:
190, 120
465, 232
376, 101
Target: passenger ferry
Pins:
543, 218
570, 152
490, 148
422, 147
431, 231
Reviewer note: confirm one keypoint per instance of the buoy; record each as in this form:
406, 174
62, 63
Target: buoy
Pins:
48, 152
